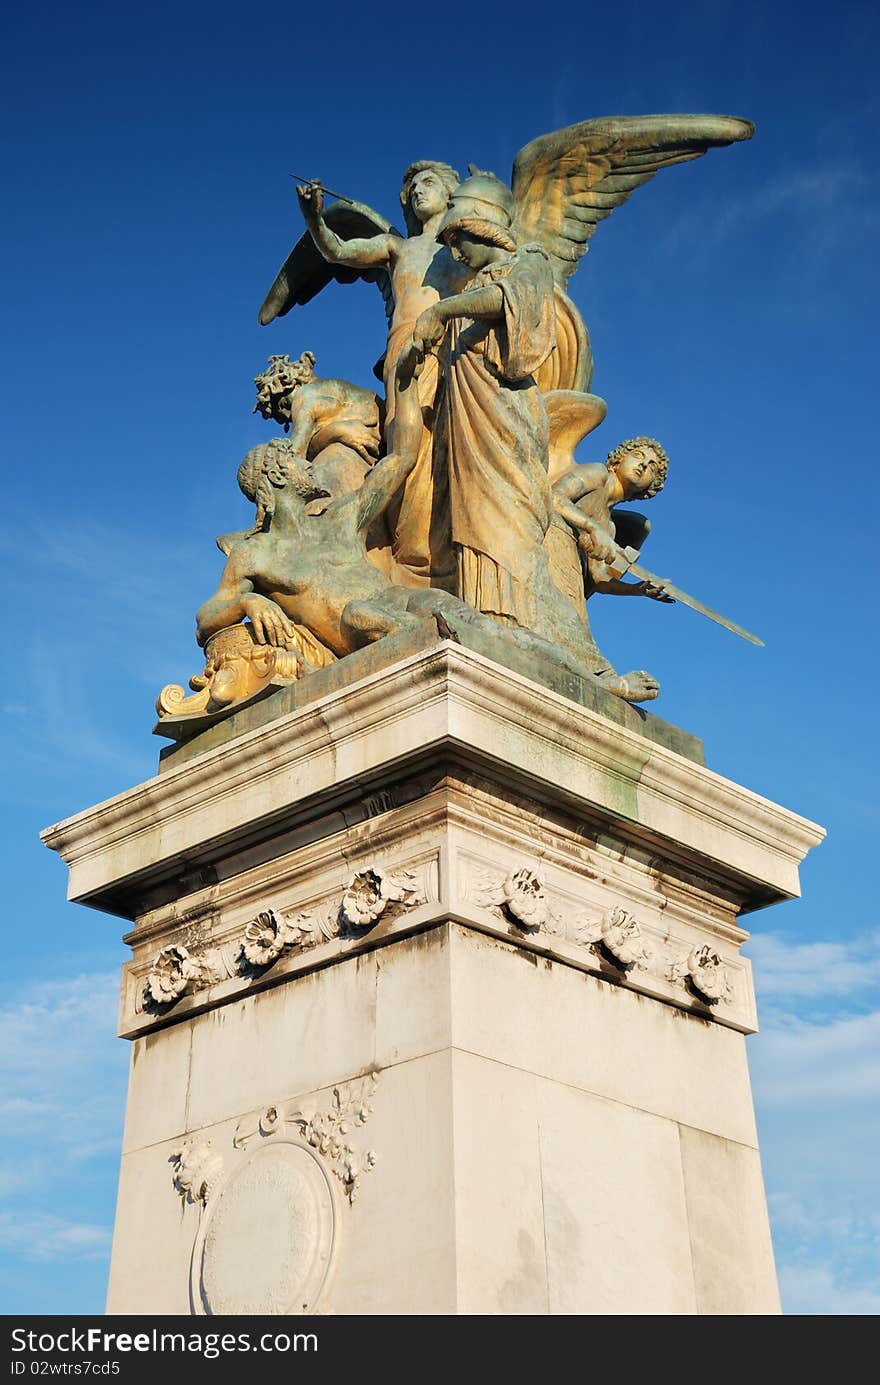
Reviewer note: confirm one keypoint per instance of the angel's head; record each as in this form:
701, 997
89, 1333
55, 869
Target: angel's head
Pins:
480, 214
270, 467
640, 465
426, 191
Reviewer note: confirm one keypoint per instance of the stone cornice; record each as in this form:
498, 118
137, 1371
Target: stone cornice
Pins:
444, 702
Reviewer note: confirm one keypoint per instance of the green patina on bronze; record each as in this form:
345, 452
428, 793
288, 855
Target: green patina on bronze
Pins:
279, 701
455, 498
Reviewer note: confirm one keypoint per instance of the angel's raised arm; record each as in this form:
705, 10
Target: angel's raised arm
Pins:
356, 242
365, 252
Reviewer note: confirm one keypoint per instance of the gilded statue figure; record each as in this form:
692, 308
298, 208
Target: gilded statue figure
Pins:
413, 271
491, 427
302, 576
457, 498
562, 185
335, 425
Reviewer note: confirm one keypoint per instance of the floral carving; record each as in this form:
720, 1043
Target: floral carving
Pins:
524, 898
372, 890
198, 1168
705, 971
171, 973
176, 970
266, 937
331, 1131
619, 933
520, 897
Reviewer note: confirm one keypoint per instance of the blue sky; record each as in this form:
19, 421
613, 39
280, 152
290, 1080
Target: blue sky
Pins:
733, 309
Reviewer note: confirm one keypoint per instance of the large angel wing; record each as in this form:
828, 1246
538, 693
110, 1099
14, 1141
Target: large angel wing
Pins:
305, 271
567, 182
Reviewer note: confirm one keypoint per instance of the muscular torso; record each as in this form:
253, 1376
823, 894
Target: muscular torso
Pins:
314, 574
319, 402
422, 273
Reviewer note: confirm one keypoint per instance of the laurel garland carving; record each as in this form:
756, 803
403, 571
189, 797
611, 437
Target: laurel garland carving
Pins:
330, 1130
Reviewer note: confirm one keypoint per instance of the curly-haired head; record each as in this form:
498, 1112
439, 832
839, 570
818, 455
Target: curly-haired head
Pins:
448, 177
624, 449
277, 383
269, 467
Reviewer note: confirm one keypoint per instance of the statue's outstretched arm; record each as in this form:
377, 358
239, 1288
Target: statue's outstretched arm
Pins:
386, 478
369, 252
306, 271
484, 304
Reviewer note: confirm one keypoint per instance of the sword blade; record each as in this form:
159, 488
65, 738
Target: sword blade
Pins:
687, 600
329, 191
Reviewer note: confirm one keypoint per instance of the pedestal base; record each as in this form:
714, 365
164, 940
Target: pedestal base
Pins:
437, 1007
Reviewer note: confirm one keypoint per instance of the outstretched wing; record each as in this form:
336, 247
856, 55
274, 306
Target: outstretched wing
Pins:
567, 182
305, 271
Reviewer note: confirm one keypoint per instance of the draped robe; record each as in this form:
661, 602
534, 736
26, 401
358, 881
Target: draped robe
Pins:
491, 429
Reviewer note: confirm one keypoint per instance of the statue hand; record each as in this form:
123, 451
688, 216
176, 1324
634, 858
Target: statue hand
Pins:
363, 439
311, 199
428, 331
271, 625
656, 591
597, 545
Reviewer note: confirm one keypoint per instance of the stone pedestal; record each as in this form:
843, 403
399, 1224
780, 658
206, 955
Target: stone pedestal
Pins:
437, 1006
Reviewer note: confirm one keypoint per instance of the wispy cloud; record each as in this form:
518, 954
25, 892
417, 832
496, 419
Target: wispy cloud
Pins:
821, 207
51, 1238
813, 1290
785, 969
802, 193
833, 1063
62, 1072
816, 1080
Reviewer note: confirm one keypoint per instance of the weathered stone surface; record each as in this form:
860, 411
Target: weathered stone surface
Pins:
578, 1172
447, 941
440, 706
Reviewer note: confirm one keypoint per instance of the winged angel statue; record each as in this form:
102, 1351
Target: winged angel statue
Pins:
563, 184
476, 510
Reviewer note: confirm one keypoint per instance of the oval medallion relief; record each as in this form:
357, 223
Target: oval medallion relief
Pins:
267, 1239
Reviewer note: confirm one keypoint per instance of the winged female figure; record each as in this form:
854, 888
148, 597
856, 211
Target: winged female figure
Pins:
563, 184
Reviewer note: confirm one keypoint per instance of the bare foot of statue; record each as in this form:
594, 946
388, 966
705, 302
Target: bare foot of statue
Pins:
637, 686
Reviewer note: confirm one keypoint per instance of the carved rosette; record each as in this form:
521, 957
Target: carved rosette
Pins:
177, 971
198, 1168
172, 972
369, 893
332, 1131
525, 899
519, 897
266, 937
620, 934
704, 970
